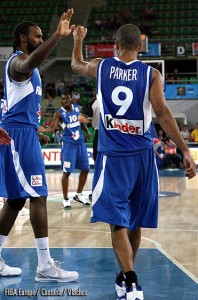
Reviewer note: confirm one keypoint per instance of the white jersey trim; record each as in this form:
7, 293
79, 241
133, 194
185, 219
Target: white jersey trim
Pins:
99, 186
17, 90
127, 63
16, 94
147, 104
20, 173
99, 94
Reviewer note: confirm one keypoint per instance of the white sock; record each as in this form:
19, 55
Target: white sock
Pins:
42, 246
3, 238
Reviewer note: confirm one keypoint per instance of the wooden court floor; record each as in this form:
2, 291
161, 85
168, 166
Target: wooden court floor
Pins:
176, 236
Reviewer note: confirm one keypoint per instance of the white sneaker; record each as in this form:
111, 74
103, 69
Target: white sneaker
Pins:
81, 199
6, 270
53, 272
1, 202
134, 292
120, 288
66, 204
24, 211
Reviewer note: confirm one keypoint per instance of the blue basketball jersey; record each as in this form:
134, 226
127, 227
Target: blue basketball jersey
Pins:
125, 109
72, 132
22, 100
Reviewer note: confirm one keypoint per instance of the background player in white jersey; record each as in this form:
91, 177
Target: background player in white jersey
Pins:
125, 184
22, 170
74, 152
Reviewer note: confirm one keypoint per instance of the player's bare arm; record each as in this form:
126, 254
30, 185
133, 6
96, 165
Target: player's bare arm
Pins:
86, 130
168, 123
83, 119
79, 66
54, 124
26, 62
163, 113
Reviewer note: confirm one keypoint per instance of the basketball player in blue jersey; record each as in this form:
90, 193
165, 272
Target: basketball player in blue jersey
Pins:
125, 184
74, 152
22, 172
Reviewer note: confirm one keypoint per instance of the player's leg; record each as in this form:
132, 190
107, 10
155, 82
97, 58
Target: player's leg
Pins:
144, 195
135, 239
38, 216
82, 163
65, 186
10, 210
47, 270
122, 247
68, 161
126, 282
8, 216
79, 197
82, 180
113, 183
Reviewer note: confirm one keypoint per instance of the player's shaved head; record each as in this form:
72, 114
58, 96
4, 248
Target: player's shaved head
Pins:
128, 37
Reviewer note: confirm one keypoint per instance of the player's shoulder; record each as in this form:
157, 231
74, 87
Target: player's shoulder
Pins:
60, 109
108, 60
76, 106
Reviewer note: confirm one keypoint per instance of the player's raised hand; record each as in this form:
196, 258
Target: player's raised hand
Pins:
79, 32
64, 28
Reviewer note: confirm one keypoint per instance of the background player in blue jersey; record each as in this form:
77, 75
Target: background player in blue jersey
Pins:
125, 184
22, 169
74, 152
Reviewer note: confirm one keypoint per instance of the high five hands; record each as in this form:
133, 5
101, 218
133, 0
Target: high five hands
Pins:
64, 28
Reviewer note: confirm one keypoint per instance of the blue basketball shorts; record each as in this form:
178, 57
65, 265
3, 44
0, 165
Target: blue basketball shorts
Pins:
22, 169
126, 190
74, 156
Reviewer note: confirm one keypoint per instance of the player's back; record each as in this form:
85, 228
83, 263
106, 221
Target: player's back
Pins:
123, 95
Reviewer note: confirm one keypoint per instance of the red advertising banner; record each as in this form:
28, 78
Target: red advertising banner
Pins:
195, 48
109, 50
101, 50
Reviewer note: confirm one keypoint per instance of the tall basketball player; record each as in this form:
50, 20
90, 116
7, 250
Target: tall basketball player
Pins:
125, 184
22, 169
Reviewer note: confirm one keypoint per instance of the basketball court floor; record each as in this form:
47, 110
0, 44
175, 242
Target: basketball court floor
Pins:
167, 262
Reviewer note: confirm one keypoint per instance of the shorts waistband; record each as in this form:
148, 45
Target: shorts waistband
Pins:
14, 125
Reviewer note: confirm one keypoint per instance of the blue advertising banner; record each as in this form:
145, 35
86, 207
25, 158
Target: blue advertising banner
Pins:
181, 91
154, 49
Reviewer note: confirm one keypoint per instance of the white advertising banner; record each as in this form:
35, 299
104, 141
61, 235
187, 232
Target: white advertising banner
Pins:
52, 156
5, 53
